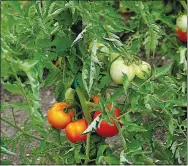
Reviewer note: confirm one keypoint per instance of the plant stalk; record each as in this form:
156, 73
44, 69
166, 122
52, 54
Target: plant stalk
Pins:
88, 117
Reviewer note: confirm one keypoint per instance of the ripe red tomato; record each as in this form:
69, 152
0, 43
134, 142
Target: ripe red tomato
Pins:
57, 117
181, 35
105, 129
74, 129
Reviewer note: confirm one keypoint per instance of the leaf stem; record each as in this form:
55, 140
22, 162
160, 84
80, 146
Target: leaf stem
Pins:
22, 131
183, 3
121, 134
20, 85
13, 116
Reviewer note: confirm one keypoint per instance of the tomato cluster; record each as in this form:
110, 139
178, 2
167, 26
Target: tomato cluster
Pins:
118, 68
60, 119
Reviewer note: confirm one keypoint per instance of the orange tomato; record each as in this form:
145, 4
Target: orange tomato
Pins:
74, 130
57, 117
95, 99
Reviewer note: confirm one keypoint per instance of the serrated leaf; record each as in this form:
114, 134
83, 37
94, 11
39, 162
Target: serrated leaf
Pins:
88, 74
101, 151
162, 70
13, 88
6, 162
123, 158
51, 79
112, 159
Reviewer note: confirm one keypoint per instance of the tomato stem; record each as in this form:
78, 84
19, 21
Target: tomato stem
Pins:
84, 104
85, 107
183, 3
121, 134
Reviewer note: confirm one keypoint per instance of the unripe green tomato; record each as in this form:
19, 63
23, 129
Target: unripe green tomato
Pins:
115, 55
181, 23
102, 51
142, 70
70, 94
117, 69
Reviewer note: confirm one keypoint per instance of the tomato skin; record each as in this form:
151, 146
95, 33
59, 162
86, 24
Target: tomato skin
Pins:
57, 117
105, 129
95, 99
117, 69
142, 70
181, 23
74, 129
181, 35
70, 94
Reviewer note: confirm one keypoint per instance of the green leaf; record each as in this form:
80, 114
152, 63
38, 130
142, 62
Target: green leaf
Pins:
116, 95
112, 159
6, 151
51, 79
77, 153
132, 127
6, 162
101, 151
88, 74
17, 105
13, 88
62, 43
162, 70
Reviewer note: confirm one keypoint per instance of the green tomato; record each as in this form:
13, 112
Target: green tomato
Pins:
181, 23
70, 94
117, 69
102, 51
143, 70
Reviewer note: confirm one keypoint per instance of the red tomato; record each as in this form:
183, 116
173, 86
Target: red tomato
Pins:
105, 129
57, 117
74, 129
181, 35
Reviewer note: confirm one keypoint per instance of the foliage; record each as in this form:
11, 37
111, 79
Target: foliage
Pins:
46, 43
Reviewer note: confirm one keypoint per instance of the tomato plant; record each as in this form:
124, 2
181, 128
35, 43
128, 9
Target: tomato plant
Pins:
67, 60
57, 116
